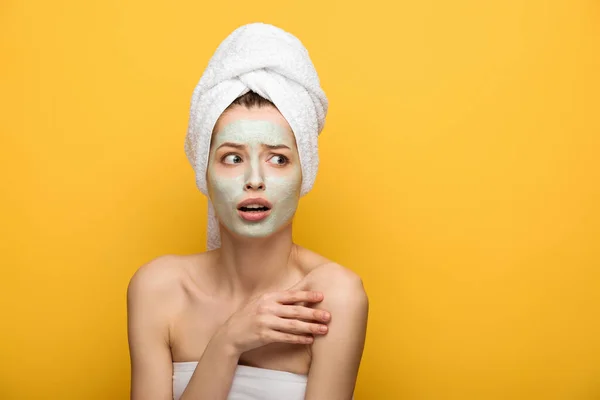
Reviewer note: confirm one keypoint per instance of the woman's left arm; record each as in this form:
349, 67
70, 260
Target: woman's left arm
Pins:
336, 355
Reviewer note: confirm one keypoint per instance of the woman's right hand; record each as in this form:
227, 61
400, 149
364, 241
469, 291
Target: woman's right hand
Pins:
274, 317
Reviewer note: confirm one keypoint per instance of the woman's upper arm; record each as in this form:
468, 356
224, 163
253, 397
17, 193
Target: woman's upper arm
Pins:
147, 328
336, 356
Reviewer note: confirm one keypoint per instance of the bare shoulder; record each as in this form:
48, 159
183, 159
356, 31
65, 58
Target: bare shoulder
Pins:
346, 299
335, 357
333, 279
161, 282
156, 276
153, 296
338, 282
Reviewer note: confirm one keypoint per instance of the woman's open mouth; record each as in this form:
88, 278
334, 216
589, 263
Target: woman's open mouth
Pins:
254, 210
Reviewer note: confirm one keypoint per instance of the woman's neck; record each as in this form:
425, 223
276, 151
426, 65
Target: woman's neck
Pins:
246, 267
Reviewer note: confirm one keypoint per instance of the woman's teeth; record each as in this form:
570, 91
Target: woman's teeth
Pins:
253, 208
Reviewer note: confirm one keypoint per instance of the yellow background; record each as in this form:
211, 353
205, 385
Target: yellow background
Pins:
459, 177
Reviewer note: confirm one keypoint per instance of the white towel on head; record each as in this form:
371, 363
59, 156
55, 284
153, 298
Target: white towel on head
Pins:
267, 60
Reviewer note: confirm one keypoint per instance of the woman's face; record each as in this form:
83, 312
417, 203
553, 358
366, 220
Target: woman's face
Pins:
253, 155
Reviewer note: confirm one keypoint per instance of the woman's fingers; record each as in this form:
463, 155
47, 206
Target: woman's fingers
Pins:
296, 296
281, 319
300, 312
295, 326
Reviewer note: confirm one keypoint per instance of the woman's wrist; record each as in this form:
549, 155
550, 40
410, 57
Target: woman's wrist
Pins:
221, 342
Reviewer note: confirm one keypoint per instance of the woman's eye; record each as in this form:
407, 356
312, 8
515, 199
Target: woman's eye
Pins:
280, 160
232, 159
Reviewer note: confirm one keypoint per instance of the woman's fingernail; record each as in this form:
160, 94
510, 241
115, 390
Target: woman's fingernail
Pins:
323, 328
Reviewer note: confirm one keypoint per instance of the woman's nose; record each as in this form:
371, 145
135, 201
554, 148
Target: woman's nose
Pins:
254, 179
255, 185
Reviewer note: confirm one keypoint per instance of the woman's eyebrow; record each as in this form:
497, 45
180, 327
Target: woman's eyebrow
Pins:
276, 146
234, 145
243, 146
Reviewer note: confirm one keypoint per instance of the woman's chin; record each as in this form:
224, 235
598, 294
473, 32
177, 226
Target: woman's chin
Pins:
257, 232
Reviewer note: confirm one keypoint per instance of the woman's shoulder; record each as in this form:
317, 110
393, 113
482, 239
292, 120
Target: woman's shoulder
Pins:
329, 276
344, 293
160, 270
162, 275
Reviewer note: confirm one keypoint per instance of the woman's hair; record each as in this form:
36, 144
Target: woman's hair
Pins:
249, 100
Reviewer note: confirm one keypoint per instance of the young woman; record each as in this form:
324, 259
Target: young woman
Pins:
259, 317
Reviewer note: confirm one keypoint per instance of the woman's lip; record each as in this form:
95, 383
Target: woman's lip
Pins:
254, 215
256, 201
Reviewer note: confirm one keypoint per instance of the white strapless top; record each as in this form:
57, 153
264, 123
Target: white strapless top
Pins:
249, 383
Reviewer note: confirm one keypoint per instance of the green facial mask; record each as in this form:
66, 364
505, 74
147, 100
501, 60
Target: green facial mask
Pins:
255, 164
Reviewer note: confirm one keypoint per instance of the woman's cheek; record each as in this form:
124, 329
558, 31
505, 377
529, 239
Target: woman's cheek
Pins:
284, 193
228, 188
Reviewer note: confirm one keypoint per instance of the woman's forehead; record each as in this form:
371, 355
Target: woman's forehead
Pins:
265, 113
255, 131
